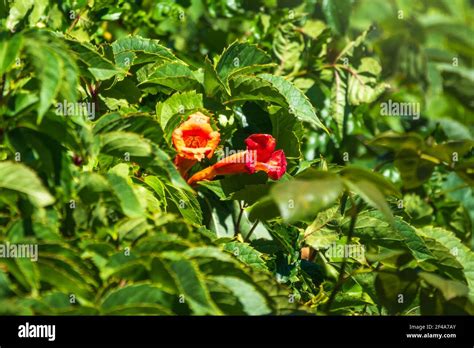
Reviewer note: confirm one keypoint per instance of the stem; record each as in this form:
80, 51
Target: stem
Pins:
2, 86
381, 165
73, 24
75, 21
94, 90
254, 226
341, 278
344, 67
239, 218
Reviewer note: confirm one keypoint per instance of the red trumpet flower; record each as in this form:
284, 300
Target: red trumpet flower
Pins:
259, 156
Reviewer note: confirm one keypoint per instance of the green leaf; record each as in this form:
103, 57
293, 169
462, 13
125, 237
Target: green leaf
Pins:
238, 187
30, 270
356, 174
173, 75
132, 50
288, 45
209, 252
18, 11
254, 302
241, 58
186, 203
372, 195
140, 44
50, 73
363, 86
371, 227
338, 102
191, 283
122, 188
299, 105
449, 288
462, 253
300, 199
122, 144
146, 126
319, 235
137, 299
212, 82
160, 164
99, 66
248, 87
247, 254
389, 286
337, 14
160, 273
9, 51
174, 110
20, 178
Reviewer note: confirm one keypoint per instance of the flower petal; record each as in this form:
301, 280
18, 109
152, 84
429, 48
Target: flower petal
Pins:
235, 164
195, 138
262, 144
275, 167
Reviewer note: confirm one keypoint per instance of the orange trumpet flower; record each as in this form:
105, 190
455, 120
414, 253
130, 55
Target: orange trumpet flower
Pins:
194, 140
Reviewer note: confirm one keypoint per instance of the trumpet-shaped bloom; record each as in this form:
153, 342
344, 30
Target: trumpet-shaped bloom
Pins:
195, 139
275, 167
259, 156
262, 144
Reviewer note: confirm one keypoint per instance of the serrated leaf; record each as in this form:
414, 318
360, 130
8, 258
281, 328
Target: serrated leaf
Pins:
372, 227
173, 110
318, 235
20, 178
99, 66
449, 288
127, 197
248, 87
173, 75
50, 74
299, 199
337, 107
253, 301
240, 58
137, 299
372, 195
299, 105
212, 82
463, 254
356, 174
337, 14
192, 285
362, 86
186, 203
288, 45
9, 51
121, 144
247, 254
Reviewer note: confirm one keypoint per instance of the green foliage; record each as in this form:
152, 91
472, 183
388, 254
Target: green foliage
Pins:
371, 102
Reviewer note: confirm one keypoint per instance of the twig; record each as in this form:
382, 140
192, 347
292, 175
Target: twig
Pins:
341, 278
239, 218
2, 86
254, 226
